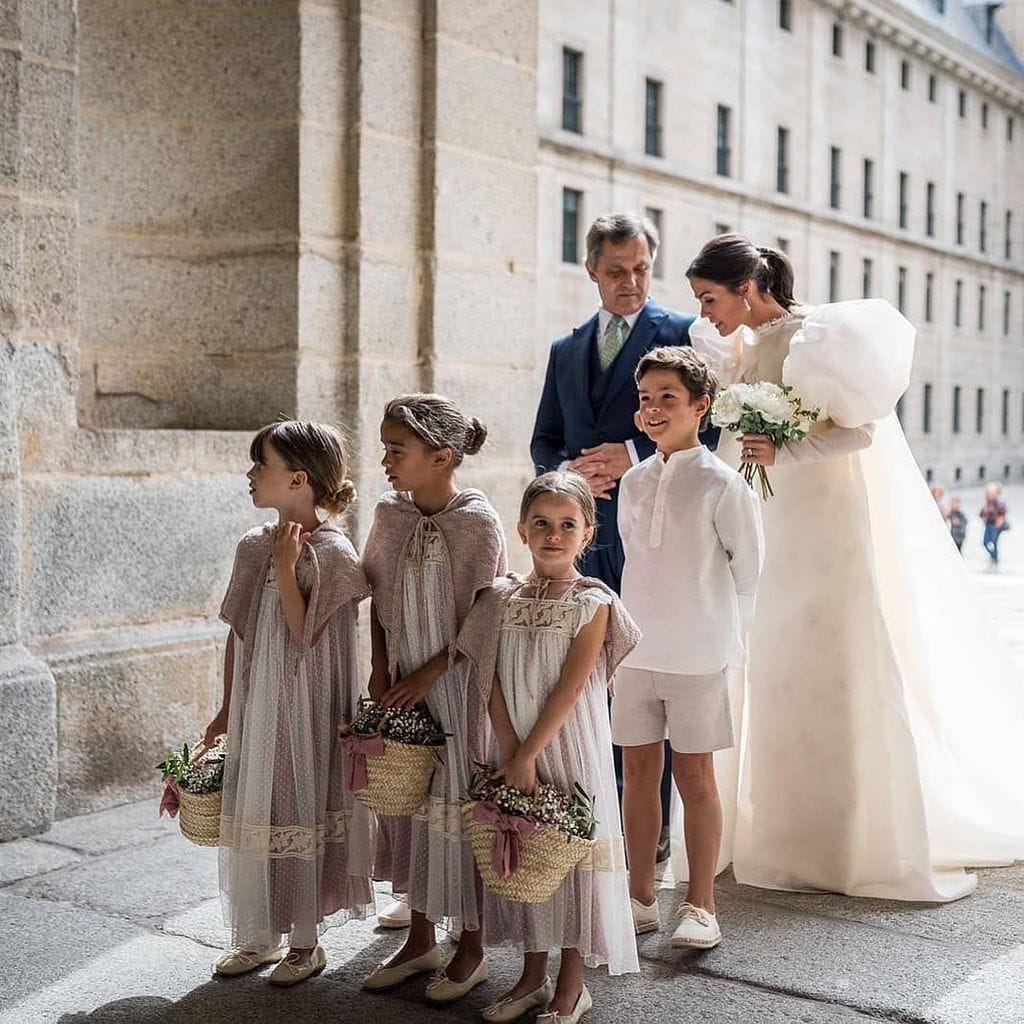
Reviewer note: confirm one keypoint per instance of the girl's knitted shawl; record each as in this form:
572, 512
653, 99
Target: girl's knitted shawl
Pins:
328, 558
474, 547
479, 638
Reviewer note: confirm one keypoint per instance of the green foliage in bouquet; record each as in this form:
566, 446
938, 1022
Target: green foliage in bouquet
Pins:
203, 775
571, 813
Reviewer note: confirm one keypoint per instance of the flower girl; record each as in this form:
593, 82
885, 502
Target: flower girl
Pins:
431, 550
290, 864
544, 649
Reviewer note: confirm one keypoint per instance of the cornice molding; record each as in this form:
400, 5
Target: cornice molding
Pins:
923, 40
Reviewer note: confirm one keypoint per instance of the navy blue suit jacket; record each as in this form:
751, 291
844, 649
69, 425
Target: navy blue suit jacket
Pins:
581, 408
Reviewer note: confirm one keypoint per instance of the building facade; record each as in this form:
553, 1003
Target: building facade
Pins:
878, 142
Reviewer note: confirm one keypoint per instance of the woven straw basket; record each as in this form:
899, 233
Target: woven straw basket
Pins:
398, 782
199, 817
544, 860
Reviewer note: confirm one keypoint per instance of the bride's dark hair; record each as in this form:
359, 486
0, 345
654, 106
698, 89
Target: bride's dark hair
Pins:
732, 259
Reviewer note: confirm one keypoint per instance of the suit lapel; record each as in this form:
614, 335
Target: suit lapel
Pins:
583, 348
644, 331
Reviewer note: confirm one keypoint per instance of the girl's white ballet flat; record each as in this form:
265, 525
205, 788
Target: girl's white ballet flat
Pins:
505, 1010
388, 977
583, 1005
443, 990
293, 968
240, 961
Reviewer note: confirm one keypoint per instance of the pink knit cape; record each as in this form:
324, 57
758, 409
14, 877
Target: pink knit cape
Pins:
475, 546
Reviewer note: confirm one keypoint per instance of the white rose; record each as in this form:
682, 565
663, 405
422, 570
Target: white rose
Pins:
728, 407
771, 402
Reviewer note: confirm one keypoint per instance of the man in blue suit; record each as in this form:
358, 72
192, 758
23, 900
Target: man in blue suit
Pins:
585, 419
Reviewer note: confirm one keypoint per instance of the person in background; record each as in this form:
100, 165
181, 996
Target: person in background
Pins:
957, 523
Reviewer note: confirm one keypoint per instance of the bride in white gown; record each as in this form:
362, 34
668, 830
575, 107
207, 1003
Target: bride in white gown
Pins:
884, 748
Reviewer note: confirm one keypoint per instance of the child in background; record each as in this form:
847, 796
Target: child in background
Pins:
691, 530
431, 550
292, 860
544, 650
957, 523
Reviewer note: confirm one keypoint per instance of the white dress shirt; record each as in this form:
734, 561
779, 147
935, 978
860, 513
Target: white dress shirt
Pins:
691, 529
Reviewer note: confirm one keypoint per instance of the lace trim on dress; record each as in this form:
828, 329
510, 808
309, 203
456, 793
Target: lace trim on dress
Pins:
426, 544
769, 325
277, 841
534, 613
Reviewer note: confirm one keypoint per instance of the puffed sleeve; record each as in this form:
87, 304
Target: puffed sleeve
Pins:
852, 360
730, 357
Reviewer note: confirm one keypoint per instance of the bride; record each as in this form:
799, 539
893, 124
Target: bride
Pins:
885, 727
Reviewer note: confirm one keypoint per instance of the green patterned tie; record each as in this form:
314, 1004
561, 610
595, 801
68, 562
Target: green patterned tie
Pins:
611, 341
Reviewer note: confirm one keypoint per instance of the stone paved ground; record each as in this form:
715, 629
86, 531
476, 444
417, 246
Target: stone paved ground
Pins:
113, 918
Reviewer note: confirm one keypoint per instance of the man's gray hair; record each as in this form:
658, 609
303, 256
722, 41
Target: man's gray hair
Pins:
618, 228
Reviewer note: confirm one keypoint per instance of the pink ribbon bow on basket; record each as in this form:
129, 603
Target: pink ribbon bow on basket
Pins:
171, 800
357, 748
510, 833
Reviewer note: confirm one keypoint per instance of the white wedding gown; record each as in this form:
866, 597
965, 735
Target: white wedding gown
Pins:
883, 749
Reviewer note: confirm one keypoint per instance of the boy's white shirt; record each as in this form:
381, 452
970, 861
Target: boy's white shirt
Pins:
691, 530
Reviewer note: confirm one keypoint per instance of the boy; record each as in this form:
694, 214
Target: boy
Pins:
691, 530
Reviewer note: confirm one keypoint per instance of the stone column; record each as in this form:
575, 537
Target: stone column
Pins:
38, 220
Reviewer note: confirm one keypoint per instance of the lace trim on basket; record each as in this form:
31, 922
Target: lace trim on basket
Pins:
277, 841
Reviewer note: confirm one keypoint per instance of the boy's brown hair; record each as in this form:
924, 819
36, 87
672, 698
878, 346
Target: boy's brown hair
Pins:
689, 366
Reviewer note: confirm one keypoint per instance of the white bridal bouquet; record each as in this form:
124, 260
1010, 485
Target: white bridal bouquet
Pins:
762, 408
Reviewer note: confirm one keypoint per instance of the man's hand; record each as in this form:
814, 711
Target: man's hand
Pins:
602, 466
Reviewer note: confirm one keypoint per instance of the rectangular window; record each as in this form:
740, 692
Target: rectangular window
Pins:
572, 90
905, 75
929, 217
786, 15
835, 158
782, 159
1007, 306
656, 217
984, 115
1005, 412
933, 89
833, 276
979, 411
926, 410
869, 189
1008, 236
652, 117
722, 229
983, 226
956, 409
958, 303
782, 244
961, 103
572, 200
1009, 129
959, 218
723, 154
903, 198
982, 296
837, 39
867, 271
901, 289
929, 296
869, 56
939, 5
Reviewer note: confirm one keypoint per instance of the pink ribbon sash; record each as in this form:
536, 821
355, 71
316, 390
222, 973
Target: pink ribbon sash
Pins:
357, 748
171, 800
509, 835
